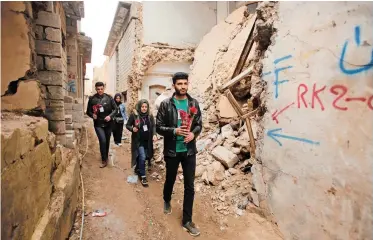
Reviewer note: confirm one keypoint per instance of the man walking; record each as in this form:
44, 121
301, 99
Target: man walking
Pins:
180, 145
102, 108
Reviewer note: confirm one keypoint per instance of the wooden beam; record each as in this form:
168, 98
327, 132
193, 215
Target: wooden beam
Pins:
250, 114
246, 49
238, 78
240, 113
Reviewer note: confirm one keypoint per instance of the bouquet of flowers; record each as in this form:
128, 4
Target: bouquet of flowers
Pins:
187, 118
96, 108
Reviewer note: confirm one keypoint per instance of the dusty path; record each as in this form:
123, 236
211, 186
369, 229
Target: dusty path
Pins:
135, 212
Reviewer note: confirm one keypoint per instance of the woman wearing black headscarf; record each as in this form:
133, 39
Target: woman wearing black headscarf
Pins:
119, 119
142, 125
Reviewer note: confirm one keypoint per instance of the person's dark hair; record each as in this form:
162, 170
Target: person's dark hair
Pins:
179, 75
99, 84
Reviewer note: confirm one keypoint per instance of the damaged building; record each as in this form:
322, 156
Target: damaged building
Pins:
150, 41
43, 53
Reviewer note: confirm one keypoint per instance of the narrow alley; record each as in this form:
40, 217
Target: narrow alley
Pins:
135, 212
267, 104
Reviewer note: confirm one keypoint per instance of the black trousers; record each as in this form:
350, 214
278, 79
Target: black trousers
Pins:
117, 132
103, 134
188, 164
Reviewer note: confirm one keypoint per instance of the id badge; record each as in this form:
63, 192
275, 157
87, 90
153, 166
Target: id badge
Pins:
178, 115
145, 127
101, 109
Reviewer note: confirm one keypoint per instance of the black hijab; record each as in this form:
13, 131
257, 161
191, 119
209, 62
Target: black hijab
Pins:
138, 107
115, 97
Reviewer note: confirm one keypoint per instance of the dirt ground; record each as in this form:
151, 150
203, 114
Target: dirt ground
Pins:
135, 212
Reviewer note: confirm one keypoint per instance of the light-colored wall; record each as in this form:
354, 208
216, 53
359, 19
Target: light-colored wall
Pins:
161, 74
177, 23
318, 158
111, 74
126, 49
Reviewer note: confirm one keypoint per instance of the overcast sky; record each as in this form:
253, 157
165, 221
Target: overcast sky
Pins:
96, 24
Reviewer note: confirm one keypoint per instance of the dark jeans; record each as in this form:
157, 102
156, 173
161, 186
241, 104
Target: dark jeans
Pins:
188, 164
141, 160
117, 132
103, 134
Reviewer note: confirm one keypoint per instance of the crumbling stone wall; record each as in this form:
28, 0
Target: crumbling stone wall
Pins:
39, 180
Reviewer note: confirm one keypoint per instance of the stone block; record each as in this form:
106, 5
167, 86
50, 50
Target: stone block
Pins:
48, 48
50, 78
68, 99
57, 127
78, 107
61, 139
29, 176
54, 103
53, 64
48, 19
78, 100
68, 119
39, 32
69, 126
78, 125
226, 157
54, 92
39, 62
49, 6
53, 34
68, 106
55, 114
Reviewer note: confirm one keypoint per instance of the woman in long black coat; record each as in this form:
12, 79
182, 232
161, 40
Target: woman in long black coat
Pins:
142, 125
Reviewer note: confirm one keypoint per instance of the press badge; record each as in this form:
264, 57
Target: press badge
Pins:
178, 115
101, 109
145, 127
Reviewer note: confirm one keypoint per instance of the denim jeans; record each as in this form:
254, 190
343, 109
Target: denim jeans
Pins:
141, 160
188, 164
103, 134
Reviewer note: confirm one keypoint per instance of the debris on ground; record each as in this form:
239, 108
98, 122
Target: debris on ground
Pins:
132, 179
99, 213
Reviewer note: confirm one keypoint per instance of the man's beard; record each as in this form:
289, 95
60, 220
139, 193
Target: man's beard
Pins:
178, 92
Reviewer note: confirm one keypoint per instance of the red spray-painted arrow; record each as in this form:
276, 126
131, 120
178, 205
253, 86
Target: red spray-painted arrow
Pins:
275, 114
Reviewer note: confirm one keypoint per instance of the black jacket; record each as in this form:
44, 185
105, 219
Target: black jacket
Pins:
167, 122
135, 138
110, 109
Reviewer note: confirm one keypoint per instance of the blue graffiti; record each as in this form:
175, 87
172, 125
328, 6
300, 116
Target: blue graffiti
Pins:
71, 86
274, 135
277, 82
363, 68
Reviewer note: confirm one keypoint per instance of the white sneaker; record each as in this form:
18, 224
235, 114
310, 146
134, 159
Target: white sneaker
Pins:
119, 144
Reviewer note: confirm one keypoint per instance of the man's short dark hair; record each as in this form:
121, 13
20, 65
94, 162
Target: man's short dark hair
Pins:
99, 84
179, 75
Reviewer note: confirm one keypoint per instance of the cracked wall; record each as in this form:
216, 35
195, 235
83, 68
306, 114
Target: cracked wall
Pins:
20, 88
316, 140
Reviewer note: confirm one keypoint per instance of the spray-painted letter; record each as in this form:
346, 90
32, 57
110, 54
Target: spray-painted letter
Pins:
301, 95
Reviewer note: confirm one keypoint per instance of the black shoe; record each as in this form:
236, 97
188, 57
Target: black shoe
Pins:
144, 182
191, 228
103, 164
167, 208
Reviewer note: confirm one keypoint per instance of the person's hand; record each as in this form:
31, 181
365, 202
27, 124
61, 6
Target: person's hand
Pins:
135, 129
189, 137
155, 138
94, 116
108, 118
182, 131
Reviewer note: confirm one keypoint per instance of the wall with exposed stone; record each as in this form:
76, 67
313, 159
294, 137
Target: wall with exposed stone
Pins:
316, 142
34, 165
